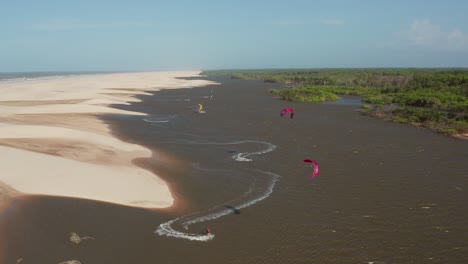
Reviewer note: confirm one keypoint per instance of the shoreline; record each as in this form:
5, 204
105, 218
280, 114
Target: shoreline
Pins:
52, 124
388, 117
356, 100
377, 178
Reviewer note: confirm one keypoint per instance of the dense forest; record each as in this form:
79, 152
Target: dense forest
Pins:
434, 98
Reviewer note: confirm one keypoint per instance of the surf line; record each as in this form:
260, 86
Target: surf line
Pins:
166, 229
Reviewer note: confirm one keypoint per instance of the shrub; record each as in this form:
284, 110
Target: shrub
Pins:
399, 119
365, 107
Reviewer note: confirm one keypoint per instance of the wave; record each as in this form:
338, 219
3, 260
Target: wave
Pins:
165, 229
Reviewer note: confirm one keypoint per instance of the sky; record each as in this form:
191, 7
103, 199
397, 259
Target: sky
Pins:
223, 34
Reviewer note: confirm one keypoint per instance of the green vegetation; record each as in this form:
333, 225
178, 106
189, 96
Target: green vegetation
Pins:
307, 94
428, 117
366, 107
433, 98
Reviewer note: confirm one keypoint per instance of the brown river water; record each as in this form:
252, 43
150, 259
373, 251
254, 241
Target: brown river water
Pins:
386, 193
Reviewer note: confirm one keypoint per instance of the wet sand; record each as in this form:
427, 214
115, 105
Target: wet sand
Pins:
387, 192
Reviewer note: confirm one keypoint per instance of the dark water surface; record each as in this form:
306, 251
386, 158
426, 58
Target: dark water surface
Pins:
387, 192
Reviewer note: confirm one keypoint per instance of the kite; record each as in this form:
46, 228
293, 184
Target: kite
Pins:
316, 171
286, 111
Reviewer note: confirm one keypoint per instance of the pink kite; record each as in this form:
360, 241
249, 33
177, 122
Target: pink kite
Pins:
286, 111
316, 171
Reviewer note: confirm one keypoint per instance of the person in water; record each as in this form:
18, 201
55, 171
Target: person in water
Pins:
208, 231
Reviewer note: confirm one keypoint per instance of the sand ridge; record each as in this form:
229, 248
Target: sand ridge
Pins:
52, 142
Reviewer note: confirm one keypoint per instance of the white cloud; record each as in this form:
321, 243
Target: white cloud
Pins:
422, 32
287, 22
332, 21
65, 24
425, 34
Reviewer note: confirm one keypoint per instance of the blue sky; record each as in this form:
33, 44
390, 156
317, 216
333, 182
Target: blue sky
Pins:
170, 35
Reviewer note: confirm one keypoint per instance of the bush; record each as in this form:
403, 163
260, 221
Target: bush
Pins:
306, 94
399, 119
448, 130
461, 126
365, 107
378, 99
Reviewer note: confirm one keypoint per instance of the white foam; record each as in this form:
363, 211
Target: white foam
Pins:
244, 155
161, 119
239, 157
153, 121
263, 196
165, 229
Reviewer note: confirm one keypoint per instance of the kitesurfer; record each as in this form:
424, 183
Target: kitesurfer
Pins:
287, 111
316, 170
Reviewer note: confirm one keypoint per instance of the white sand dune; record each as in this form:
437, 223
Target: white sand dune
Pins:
62, 108
52, 143
58, 176
8, 131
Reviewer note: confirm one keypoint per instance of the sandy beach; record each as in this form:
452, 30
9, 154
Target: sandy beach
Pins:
52, 142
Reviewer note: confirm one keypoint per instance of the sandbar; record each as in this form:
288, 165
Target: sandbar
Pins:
52, 141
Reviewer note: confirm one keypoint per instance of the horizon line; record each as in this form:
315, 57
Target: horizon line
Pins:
232, 69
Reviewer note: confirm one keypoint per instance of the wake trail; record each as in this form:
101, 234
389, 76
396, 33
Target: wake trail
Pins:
160, 119
166, 229
259, 191
243, 156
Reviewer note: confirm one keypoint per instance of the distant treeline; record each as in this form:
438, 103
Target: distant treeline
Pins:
435, 98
